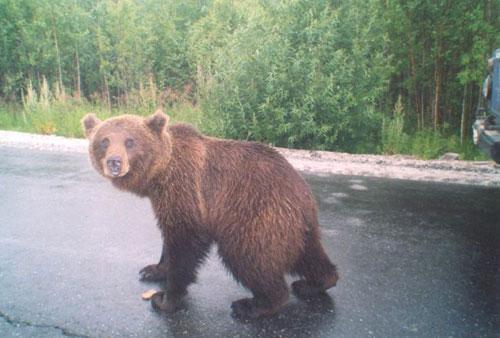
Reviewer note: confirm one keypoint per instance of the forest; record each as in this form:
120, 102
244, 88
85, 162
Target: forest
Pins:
373, 76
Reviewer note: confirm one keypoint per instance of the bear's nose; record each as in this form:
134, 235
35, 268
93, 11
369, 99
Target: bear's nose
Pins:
114, 164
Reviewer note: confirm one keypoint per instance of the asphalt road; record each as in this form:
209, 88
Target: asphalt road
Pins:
416, 259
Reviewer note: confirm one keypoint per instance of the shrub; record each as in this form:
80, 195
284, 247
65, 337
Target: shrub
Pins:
291, 74
394, 139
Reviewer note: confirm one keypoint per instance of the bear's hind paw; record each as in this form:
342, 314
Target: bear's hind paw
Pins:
247, 308
304, 290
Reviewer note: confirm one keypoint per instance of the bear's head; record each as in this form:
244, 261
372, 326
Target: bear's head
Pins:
128, 149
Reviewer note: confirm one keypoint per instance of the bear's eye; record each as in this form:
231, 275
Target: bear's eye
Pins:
129, 143
104, 143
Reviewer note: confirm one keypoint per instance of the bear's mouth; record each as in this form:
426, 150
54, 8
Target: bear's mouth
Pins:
115, 168
116, 174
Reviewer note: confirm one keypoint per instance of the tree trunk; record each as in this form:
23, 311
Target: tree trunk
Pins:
463, 122
422, 111
78, 76
38, 78
437, 94
106, 93
414, 81
413, 67
438, 76
488, 11
58, 54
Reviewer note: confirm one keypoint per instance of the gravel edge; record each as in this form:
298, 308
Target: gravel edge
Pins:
484, 173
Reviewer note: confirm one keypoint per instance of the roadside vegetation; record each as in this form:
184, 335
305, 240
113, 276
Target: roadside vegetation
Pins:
358, 76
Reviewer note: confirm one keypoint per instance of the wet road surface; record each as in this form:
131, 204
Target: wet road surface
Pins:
416, 260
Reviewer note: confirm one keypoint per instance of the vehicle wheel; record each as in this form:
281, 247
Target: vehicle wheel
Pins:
495, 152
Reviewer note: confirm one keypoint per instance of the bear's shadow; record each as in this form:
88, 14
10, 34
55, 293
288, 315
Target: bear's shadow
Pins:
298, 318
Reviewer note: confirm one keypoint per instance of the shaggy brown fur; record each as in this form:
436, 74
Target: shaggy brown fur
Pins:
244, 196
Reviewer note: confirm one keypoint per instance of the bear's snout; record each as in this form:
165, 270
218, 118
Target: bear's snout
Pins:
114, 164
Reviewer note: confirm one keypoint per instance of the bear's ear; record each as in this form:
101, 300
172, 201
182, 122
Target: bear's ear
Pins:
89, 122
157, 122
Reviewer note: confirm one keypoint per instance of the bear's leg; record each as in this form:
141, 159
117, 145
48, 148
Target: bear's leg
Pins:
268, 297
318, 271
183, 255
155, 272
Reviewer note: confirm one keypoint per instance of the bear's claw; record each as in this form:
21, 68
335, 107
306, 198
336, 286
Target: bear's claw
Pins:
153, 273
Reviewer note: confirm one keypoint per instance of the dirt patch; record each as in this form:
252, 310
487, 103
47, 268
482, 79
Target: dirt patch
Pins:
485, 173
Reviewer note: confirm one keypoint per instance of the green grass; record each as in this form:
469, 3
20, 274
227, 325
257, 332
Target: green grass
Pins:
425, 144
63, 118
429, 144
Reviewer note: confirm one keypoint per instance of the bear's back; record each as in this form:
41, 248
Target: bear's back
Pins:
183, 131
229, 172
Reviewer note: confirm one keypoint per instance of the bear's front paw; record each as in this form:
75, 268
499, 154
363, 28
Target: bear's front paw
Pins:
169, 304
153, 273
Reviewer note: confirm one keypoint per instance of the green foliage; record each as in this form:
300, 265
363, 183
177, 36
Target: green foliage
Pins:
64, 118
394, 138
438, 48
11, 119
429, 144
44, 112
112, 45
309, 74
288, 74
424, 144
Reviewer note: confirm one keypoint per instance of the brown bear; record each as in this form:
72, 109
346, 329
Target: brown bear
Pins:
243, 196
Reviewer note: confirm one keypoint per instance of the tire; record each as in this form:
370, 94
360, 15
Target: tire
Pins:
495, 152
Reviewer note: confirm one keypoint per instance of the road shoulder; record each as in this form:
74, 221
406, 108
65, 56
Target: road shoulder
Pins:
482, 173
